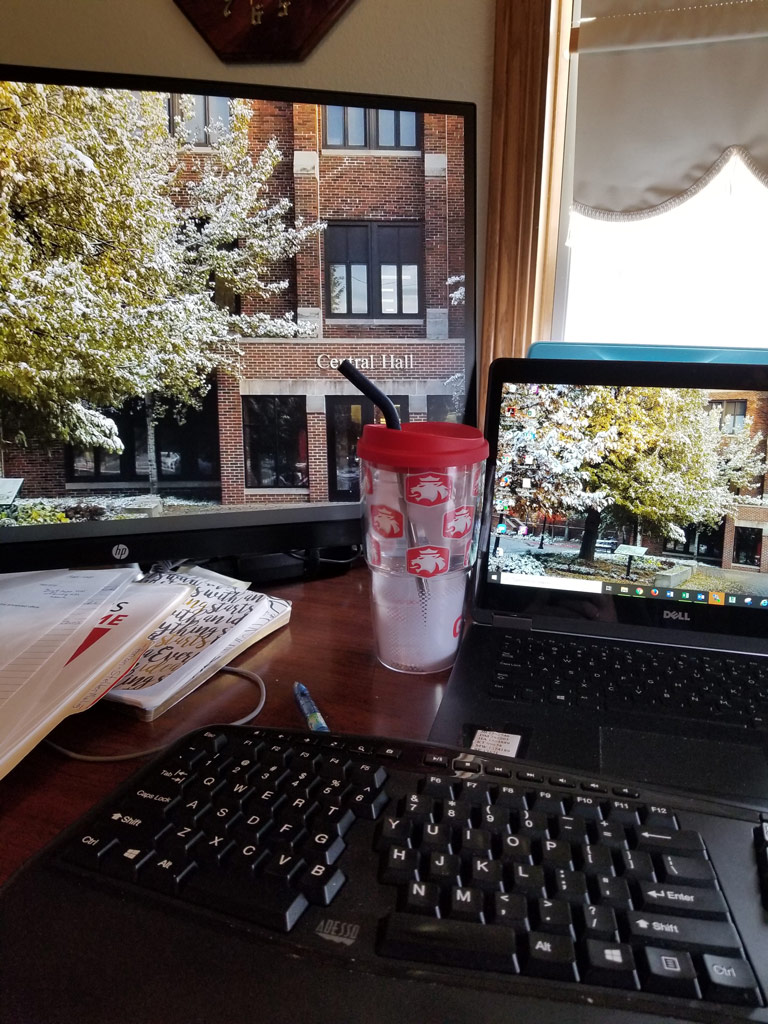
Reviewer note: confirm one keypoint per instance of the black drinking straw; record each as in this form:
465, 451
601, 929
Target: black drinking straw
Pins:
392, 420
368, 388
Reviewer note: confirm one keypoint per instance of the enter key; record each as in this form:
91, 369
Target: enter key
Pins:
684, 900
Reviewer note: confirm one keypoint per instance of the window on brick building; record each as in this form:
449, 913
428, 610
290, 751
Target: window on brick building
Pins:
208, 118
275, 441
374, 269
345, 419
747, 546
733, 413
224, 295
187, 448
442, 409
703, 543
363, 128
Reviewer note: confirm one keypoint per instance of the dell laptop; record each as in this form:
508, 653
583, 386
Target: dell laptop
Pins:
619, 619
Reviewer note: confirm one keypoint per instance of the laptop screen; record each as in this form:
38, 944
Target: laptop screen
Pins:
628, 493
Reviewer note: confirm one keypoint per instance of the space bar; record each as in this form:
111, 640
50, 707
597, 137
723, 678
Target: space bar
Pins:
431, 940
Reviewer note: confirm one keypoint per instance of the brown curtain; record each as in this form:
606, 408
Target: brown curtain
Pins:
517, 147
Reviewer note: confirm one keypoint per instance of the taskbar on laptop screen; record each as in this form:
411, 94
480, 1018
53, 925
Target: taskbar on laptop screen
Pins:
682, 594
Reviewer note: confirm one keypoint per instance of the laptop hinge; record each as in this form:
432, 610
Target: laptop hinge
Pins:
511, 622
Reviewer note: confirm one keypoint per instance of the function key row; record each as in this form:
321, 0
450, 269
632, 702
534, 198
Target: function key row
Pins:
501, 770
545, 800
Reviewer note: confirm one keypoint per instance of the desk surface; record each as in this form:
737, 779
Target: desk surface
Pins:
327, 645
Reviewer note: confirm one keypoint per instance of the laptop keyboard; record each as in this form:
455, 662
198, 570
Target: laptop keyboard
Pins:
468, 869
605, 675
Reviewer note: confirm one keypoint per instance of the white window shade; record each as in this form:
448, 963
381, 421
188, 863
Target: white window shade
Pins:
664, 88
692, 276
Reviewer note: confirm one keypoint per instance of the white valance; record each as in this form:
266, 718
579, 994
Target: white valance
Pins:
664, 88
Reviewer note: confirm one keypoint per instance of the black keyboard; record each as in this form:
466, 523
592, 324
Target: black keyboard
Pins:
489, 886
610, 675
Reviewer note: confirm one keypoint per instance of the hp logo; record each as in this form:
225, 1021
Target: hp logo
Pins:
120, 552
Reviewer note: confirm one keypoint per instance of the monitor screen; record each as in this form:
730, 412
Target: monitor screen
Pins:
183, 266
628, 494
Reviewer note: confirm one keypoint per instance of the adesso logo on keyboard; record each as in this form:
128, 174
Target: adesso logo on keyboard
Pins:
338, 931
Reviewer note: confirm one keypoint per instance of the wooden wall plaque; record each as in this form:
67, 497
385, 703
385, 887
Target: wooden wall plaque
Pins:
263, 30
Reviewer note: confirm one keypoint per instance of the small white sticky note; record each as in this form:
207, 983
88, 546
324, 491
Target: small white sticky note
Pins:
504, 743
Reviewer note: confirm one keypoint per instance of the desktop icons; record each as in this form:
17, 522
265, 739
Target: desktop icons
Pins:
717, 598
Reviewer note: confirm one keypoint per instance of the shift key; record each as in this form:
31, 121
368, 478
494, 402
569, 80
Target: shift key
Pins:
689, 933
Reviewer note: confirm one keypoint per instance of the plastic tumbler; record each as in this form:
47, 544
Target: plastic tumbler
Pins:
422, 490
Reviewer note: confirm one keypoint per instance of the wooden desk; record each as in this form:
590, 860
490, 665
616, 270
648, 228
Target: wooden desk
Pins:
327, 645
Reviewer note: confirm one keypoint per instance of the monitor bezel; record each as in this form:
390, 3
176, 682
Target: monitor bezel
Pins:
265, 528
532, 607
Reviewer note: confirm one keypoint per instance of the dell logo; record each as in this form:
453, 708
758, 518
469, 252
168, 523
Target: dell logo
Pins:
120, 551
678, 616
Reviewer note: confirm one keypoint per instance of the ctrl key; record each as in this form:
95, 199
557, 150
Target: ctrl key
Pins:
88, 850
730, 980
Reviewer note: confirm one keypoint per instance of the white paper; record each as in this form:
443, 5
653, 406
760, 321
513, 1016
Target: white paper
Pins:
30, 608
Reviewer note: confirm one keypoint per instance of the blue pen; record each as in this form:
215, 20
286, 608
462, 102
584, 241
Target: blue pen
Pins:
314, 719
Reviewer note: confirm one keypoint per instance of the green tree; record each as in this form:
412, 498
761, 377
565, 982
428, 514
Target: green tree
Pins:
109, 256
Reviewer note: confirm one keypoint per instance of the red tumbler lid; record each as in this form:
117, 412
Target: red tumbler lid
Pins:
422, 445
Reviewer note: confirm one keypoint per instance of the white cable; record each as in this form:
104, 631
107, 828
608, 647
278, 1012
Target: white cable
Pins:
254, 677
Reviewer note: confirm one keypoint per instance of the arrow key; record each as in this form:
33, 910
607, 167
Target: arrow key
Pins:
668, 840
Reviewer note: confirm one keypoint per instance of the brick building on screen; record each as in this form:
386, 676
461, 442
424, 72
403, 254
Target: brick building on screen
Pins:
376, 286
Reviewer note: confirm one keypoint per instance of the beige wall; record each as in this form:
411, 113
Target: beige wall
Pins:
440, 49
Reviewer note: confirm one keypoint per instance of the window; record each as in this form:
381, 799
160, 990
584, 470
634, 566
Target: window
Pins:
373, 270
345, 419
690, 272
185, 451
747, 546
94, 464
361, 128
442, 409
224, 295
665, 204
733, 412
700, 542
275, 440
208, 119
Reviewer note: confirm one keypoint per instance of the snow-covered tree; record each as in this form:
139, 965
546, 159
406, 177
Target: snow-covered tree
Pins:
458, 295
547, 445
653, 455
109, 256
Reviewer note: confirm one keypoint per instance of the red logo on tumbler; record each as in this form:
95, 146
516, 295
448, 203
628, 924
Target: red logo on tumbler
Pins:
428, 560
374, 551
427, 488
386, 521
458, 522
